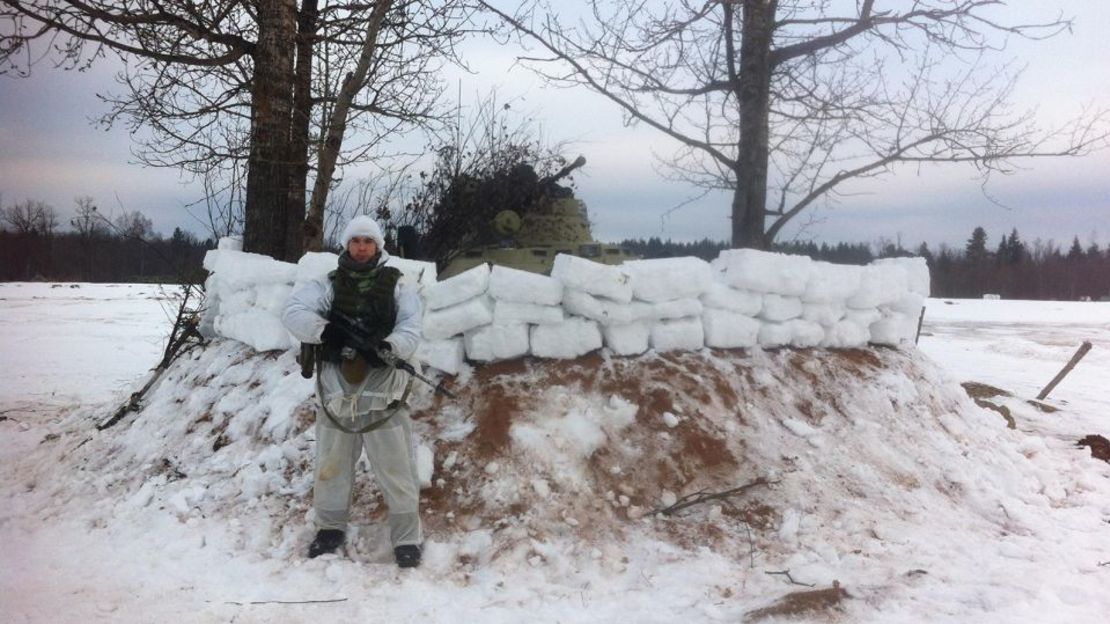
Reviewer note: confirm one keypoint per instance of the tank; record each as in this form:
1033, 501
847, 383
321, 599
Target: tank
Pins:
530, 239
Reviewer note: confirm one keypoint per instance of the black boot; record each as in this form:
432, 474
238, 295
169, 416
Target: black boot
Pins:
327, 541
407, 555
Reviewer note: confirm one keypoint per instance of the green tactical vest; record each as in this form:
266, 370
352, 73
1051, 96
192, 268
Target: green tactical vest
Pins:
368, 297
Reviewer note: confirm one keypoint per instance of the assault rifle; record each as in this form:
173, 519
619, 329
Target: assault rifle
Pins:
359, 338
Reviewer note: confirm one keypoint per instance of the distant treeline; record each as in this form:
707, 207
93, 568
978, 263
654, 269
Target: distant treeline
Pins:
1013, 269
102, 256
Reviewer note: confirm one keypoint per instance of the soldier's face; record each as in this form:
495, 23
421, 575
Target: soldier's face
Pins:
362, 248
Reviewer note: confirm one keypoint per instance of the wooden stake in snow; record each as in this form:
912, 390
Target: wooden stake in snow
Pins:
920, 320
1083, 349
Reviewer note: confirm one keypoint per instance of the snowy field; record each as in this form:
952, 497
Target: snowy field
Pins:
80, 557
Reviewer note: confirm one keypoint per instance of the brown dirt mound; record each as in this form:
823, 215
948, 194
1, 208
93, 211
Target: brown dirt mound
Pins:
705, 391
806, 603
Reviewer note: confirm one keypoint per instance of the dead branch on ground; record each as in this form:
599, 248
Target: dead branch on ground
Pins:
786, 573
702, 496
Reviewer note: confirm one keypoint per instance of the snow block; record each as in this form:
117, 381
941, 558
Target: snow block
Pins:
825, 314
237, 270
627, 339
894, 330
863, 318
237, 301
773, 335
605, 311
592, 277
681, 335
496, 342
260, 330
518, 286
446, 322
415, 272
454, 290
729, 330
505, 312
763, 271
832, 283
880, 284
910, 304
917, 272
845, 334
777, 308
805, 334
271, 298
315, 265
721, 297
445, 355
667, 279
675, 309
570, 339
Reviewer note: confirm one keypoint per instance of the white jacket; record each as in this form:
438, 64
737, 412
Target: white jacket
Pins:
305, 317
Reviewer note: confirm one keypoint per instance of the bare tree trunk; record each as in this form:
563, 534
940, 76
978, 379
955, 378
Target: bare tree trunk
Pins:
749, 201
337, 125
268, 174
298, 135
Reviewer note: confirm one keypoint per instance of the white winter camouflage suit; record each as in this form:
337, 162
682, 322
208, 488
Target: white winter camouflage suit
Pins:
389, 448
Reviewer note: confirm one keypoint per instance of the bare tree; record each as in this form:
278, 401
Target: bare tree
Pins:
781, 102
91, 227
134, 225
30, 217
229, 81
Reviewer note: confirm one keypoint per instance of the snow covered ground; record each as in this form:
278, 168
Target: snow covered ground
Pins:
988, 525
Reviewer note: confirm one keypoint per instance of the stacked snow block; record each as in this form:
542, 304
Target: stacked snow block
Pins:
803, 303
670, 290
451, 308
246, 294
745, 298
494, 314
598, 297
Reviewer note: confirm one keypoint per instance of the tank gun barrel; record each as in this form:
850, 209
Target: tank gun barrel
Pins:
562, 173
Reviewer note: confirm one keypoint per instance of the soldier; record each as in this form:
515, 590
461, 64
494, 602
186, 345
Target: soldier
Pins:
363, 401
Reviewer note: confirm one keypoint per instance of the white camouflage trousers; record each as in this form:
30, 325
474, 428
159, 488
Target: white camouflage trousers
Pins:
393, 460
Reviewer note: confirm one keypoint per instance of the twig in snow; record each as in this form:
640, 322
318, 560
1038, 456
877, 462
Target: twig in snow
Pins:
702, 496
786, 573
286, 602
1102, 564
751, 546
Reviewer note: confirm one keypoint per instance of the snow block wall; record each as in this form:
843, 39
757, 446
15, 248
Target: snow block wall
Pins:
743, 299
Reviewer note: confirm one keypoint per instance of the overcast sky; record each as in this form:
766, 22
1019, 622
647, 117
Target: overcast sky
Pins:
49, 150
